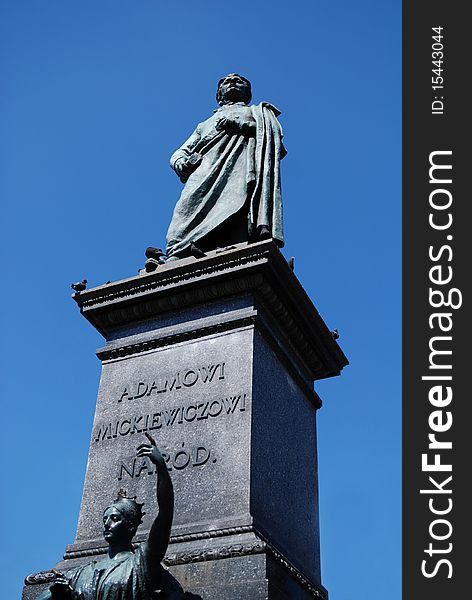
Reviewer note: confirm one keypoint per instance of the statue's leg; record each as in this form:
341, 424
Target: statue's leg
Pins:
232, 231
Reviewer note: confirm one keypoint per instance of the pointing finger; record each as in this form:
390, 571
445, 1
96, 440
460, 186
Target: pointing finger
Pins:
150, 438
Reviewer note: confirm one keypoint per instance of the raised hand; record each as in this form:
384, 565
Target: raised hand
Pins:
159, 533
151, 451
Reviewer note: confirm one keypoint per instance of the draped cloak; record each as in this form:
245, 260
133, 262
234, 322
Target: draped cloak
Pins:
125, 578
237, 170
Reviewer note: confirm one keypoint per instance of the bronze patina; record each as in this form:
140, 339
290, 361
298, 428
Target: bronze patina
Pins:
127, 573
231, 169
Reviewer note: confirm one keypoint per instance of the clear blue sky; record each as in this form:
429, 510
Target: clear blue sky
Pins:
96, 95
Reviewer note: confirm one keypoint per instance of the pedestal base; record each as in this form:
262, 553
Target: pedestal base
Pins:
241, 567
216, 358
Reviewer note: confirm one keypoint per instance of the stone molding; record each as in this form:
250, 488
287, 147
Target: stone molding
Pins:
174, 539
215, 553
146, 308
205, 535
41, 577
150, 344
234, 550
259, 269
173, 338
163, 278
298, 575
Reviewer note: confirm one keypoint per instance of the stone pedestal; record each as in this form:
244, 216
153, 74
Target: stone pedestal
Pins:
216, 359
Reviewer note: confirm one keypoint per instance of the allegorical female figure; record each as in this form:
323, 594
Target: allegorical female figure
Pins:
127, 574
231, 169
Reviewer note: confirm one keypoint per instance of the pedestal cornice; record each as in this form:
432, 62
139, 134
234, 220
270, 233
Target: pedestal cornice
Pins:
258, 269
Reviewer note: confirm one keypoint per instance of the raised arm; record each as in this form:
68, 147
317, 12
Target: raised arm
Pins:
159, 534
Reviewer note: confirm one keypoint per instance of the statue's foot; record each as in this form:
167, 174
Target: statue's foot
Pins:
263, 233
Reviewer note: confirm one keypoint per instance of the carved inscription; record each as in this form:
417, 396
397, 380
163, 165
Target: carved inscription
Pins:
170, 417
196, 456
176, 381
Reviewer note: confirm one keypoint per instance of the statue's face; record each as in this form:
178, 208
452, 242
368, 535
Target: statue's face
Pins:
115, 528
232, 89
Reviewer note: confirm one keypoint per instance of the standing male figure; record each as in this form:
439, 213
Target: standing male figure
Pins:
231, 169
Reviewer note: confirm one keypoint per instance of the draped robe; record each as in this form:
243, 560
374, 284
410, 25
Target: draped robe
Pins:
239, 171
125, 577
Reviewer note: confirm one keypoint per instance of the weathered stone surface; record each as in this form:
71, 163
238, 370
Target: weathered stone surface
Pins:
245, 578
195, 398
284, 494
216, 359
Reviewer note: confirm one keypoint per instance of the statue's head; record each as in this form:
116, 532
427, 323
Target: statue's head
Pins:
121, 519
233, 88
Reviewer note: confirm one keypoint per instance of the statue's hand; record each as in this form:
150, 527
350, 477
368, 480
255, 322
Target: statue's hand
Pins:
229, 124
234, 124
184, 167
151, 451
61, 590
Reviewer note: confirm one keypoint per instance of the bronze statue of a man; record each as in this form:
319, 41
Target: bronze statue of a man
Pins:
126, 574
231, 169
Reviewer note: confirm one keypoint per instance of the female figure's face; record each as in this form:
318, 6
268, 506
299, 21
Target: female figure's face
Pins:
115, 528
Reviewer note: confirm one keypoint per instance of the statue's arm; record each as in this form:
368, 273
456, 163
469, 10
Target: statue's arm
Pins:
159, 533
185, 160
